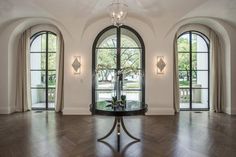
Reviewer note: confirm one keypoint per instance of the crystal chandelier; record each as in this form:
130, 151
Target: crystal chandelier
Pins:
118, 12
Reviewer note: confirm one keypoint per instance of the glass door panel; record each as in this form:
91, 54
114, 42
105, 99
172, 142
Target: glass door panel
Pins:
38, 98
200, 98
200, 61
193, 64
106, 59
108, 39
43, 70
183, 43
184, 61
51, 98
184, 94
131, 59
132, 80
199, 43
200, 79
129, 39
118, 66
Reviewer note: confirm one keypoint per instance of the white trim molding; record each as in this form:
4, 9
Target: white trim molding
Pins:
233, 111
4, 110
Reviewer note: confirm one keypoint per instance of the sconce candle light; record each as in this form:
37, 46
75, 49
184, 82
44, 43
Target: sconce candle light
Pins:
161, 64
77, 64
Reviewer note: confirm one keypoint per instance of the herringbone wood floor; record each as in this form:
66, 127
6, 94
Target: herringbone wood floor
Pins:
48, 134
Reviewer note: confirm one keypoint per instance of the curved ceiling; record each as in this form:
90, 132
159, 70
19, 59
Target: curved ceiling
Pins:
152, 9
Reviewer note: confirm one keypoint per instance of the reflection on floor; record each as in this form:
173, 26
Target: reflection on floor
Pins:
49, 134
43, 105
194, 105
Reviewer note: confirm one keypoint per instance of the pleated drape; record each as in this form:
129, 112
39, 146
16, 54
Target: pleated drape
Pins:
59, 99
23, 96
216, 94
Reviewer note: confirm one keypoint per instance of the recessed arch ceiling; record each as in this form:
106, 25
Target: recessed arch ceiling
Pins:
152, 9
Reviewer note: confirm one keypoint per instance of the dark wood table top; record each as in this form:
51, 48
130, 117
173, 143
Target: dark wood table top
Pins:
132, 108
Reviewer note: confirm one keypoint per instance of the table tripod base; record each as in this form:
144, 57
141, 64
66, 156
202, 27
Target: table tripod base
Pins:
118, 123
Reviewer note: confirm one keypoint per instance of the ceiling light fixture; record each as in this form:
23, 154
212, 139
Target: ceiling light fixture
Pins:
118, 12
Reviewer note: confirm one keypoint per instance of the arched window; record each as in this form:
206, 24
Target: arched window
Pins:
118, 65
43, 50
193, 65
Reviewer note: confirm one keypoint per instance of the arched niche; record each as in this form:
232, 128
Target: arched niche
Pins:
11, 35
222, 29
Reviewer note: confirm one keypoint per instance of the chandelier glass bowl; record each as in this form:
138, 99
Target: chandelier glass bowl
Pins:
118, 13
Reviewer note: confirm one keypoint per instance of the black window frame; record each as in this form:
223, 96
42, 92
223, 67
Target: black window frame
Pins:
207, 41
118, 48
47, 70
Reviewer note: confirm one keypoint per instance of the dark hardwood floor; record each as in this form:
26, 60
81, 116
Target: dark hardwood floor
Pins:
48, 134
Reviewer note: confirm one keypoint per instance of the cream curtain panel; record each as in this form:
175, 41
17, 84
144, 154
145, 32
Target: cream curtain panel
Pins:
23, 92
216, 94
23, 96
60, 76
176, 77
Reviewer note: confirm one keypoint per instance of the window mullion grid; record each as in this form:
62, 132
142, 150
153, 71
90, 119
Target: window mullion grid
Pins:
46, 71
190, 48
208, 48
191, 52
118, 61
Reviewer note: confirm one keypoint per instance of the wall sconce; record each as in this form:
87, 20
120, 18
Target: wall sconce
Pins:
161, 64
77, 64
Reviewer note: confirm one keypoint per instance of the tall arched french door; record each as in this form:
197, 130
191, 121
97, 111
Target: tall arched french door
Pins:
118, 65
193, 65
43, 50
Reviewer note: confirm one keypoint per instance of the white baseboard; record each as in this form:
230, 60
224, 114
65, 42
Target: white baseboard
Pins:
160, 111
4, 110
233, 112
227, 111
76, 111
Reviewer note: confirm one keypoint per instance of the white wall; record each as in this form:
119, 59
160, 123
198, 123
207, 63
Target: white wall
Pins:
79, 36
78, 88
3, 79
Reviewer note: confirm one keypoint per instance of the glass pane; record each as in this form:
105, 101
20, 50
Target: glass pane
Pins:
184, 95
106, 58
200, 79
200, 61
108, 39
200, 98
184, 61
52, 43
52, 79
183, 43
105, 79
198, 44
132, 79
132, 95
102, 96
52, 61
131, 58
51, 98
38, 78
38, 61
39, 44
101, 105
184, 79
129, 39
38, 98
